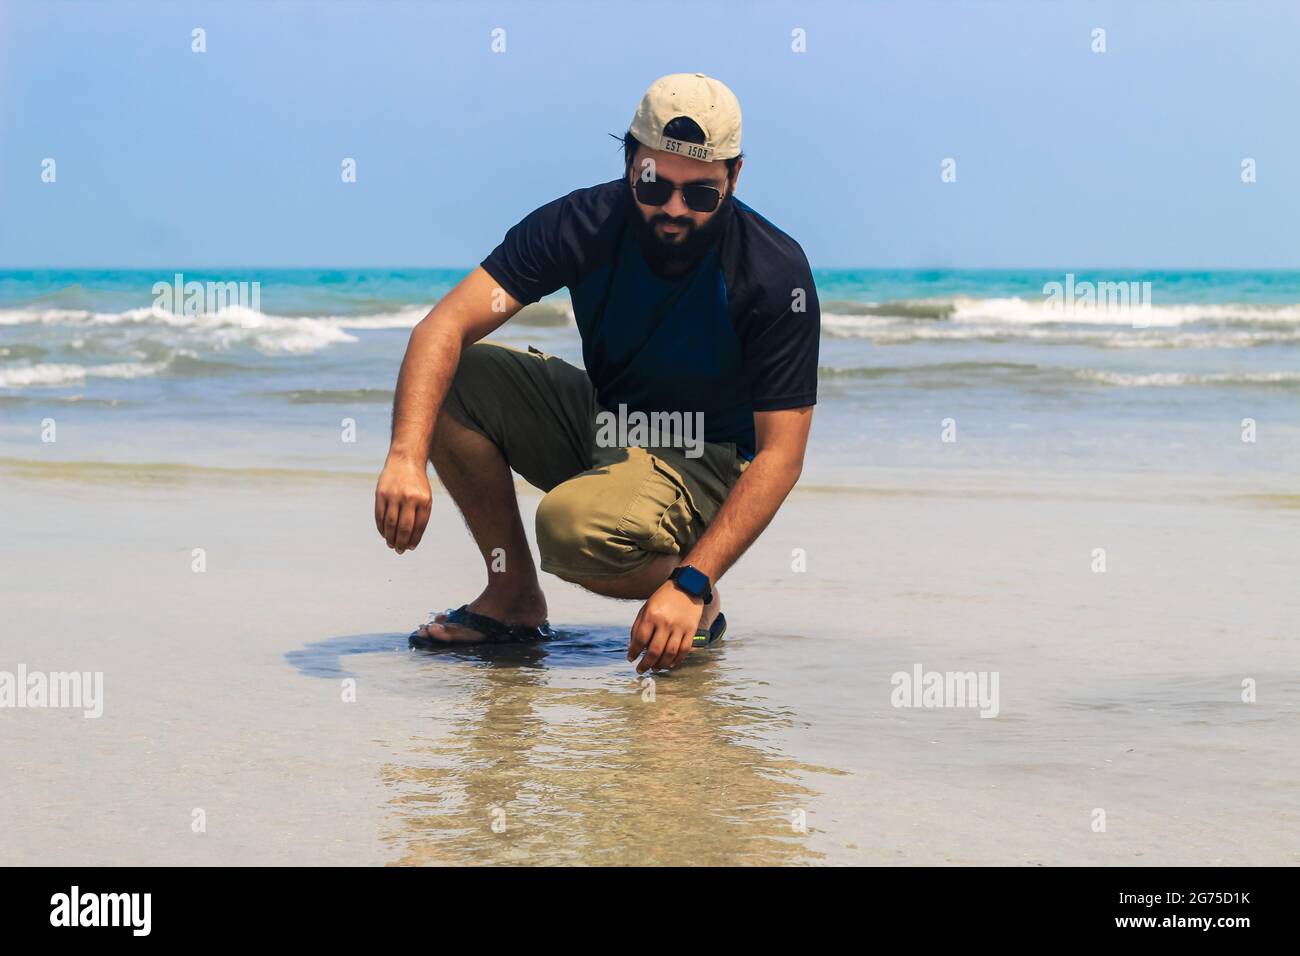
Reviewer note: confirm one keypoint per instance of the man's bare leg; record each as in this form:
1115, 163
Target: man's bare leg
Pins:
478, 479
643, 582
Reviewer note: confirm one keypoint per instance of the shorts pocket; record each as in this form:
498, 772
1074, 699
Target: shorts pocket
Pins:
661, 515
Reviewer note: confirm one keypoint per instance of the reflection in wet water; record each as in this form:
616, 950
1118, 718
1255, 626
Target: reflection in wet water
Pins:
325, 658
556, 753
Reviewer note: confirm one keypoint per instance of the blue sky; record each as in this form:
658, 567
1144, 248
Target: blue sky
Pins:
1065, 157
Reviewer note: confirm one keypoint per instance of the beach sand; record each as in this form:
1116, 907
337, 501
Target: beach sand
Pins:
224, 691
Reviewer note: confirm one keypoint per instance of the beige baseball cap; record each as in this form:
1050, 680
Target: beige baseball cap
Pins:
707, 101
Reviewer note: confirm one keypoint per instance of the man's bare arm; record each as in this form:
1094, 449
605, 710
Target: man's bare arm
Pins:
470, 311
665, 627
754, 500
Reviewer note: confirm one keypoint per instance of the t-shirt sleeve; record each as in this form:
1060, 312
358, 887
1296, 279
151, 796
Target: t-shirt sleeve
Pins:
783, 335
534, 259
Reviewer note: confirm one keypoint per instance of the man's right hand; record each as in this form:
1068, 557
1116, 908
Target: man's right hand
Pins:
403, 501
467, 313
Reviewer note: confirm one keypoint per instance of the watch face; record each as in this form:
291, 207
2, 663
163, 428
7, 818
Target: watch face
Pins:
692, 580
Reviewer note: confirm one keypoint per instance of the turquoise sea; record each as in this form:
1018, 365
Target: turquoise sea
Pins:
1028, 375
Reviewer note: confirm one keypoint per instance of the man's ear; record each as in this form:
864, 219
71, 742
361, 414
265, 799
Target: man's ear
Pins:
735, 173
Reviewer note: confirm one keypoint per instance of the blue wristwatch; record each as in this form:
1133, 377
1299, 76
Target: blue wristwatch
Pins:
693, 581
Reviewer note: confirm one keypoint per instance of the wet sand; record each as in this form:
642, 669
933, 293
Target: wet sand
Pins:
224, 690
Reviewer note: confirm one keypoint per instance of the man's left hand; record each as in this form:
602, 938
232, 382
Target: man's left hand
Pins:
665, 628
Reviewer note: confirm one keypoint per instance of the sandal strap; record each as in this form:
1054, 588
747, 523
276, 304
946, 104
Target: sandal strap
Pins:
706, 637
496, 632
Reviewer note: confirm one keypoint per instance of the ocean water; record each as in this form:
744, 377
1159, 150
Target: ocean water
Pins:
1011, 370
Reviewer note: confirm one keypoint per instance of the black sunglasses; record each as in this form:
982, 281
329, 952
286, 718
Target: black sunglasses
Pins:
697, 196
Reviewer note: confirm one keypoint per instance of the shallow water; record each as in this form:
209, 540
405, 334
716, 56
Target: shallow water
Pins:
556, 753
228, 690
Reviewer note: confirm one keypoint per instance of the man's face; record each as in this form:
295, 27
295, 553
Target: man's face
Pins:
674, 232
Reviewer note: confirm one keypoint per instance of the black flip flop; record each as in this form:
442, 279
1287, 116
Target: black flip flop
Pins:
714, 634
493, 631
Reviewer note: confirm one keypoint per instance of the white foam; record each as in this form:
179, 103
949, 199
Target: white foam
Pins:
1016, 311
51, 374
1036, 311
405, 318
888, 330
228, 328
1175, 379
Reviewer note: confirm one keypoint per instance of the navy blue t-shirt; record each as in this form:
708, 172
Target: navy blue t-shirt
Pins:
737, 334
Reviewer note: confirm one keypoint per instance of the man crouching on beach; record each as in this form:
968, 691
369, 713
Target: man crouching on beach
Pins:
691, 308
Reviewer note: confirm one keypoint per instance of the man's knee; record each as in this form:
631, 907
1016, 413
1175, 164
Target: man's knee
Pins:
611, 521
569, 541
580, 540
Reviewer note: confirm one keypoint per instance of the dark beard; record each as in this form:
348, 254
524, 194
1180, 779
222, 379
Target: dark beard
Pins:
675, 258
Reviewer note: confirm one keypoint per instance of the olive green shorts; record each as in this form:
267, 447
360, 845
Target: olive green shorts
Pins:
607, 510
